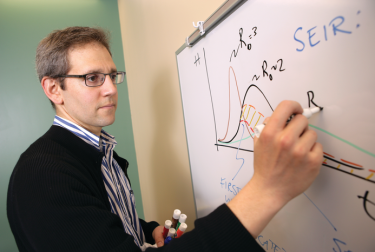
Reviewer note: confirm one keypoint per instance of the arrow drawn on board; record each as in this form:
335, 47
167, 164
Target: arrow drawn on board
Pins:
321, 212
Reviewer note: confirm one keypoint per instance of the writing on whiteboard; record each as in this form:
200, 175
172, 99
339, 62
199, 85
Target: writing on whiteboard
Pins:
197, 60
339, 246
277, 67
367, 202
334, 27
242, 42
229, 188
269, 245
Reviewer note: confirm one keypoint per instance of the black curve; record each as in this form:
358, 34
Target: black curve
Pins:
348, 173
233, 147
343, 163
239, 123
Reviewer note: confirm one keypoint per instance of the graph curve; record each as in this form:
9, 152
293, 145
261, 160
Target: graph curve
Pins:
241, 104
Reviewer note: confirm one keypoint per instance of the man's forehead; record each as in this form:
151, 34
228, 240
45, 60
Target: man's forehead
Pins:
85, 49
90, 57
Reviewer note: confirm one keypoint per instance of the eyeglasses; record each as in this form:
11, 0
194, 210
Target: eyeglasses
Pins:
97, 79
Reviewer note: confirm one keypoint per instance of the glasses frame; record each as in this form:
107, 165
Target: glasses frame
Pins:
84, 76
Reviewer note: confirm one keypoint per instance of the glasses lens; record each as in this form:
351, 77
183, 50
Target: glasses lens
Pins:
119, 77
113, 77
93, 80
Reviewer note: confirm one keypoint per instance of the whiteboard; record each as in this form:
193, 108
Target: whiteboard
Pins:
268, 51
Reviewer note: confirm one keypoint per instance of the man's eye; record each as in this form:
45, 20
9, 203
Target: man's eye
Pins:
113, 76
92, 78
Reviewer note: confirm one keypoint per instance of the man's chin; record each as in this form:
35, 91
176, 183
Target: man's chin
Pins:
107, 121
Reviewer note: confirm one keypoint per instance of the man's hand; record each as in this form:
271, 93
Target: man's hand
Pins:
287, 159
157, 234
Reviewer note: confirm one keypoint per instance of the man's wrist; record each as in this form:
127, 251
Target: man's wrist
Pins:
255, 206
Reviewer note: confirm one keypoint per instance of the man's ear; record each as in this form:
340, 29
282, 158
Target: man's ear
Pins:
52, 90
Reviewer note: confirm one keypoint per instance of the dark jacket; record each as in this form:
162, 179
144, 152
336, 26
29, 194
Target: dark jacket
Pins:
57, 202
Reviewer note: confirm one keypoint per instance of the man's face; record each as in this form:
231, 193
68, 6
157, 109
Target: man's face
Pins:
90, 107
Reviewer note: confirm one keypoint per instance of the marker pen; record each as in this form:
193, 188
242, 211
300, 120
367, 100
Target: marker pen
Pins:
181, 220
172, 232
167, 226
181, 230
176, 216
306, 112
167, 240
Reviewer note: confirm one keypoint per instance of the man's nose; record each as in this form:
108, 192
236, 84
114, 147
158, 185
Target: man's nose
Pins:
109, 87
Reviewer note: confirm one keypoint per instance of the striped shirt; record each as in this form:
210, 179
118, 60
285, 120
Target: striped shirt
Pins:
120, 194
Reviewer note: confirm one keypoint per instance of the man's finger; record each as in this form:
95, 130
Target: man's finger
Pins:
307, 141
158, 236
266, 120
317, 152
282, 113
297, 126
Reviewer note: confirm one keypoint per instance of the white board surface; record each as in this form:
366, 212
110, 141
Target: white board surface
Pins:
326, 47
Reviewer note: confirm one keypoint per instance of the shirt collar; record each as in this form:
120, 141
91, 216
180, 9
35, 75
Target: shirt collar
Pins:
90, 138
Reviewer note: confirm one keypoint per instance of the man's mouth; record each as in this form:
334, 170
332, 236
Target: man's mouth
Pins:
111, 105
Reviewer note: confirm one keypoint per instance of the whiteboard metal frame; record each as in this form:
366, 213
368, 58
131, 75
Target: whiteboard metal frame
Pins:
219, 15
186, 139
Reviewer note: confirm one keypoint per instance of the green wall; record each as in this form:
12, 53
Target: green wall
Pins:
25, 112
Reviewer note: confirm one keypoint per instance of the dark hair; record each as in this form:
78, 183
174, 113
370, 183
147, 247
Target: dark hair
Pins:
52, 52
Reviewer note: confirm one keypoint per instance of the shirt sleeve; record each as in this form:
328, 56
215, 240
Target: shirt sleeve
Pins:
148, 228
218, 231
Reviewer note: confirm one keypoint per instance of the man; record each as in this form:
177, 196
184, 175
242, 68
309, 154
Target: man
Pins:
70, 192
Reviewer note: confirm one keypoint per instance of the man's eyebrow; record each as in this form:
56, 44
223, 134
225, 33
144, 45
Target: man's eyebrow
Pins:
113, 70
